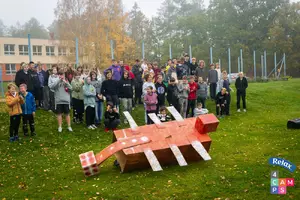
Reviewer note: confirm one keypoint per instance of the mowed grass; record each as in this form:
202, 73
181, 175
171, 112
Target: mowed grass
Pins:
47, 166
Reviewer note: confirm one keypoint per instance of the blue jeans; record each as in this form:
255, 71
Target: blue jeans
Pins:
99, 112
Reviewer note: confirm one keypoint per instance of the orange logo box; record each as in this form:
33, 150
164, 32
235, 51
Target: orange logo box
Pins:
282, 182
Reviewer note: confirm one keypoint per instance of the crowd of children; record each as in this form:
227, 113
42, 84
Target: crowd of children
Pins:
182, 83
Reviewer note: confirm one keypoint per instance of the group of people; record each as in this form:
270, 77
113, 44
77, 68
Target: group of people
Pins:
180, 82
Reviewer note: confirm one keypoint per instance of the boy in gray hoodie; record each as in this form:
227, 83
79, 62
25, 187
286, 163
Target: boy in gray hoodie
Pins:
184, 90
62, 89
89, 94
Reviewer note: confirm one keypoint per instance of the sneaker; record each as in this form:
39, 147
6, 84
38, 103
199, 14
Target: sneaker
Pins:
245, 110
70, 129
94, 126
239, 110
11, 139
16, 138
26, 135
91, 127
125, 122
33, 134
114, 129
106, 130
59, 129
116, 163
50, 111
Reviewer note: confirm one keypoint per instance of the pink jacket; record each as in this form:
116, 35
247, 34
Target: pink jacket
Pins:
150, 101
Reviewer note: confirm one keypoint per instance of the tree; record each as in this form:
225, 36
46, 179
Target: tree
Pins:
32, 27
2, 28
95, 23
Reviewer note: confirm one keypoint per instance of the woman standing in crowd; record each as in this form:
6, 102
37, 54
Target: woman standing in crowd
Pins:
77, 98
110, 89
96, 81
52, 79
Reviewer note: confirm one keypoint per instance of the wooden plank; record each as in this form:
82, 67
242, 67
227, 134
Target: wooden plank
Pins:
175, 113
131, 121
197, 145
156, 120
152, 160
178, 155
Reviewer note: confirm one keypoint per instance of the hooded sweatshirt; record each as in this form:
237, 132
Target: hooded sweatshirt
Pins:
97, 83
116, 72
109, 87
161, 90
89, 94
77, 91
29, 104
61, 92
150, 101
14, 103
125, 88
213, 76
172, 73
52, 79
193, 68
182, 70
200, 72
202, 90
183, 92
193, 90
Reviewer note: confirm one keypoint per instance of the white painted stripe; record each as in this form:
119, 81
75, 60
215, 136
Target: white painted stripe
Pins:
155, 119
175, 113
152, 160
178, 155
131, 121
201, 150
125, 136
132, 149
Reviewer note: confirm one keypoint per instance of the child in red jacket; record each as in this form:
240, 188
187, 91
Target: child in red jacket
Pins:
192, 96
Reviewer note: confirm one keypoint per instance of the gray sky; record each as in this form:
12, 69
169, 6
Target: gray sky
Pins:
43, 10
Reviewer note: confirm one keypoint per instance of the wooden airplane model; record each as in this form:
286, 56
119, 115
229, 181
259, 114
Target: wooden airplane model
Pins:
179, 141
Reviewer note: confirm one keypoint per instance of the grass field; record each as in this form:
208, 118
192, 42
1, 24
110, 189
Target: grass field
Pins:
47, 166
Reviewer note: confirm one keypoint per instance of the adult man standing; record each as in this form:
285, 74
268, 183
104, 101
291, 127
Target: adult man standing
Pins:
187, 62
241, 85
23, 77
138, 73
212, 80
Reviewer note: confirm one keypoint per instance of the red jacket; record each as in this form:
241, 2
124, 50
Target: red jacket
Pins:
193, 90
131, 75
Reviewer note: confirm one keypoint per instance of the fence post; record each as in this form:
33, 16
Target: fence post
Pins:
241, 60
143, 50
262, 66
254, 64
190, 52
29, 48
112, 49
239, 64
265, 63
77, 59
275, 64
1, 82
229, 63
284, 64
211, 55
170, 50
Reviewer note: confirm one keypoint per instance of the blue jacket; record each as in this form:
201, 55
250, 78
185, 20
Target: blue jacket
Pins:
29, 106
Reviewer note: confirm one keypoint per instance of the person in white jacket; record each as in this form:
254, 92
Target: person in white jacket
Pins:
53, 78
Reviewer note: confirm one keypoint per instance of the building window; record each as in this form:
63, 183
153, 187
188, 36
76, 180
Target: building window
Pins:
50, 51
37, 50
62, 51
72, 50
23, 50
9, 49
10, 69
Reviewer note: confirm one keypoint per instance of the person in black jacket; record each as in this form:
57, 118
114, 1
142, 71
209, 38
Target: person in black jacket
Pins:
125, 92
161, 90
193, 67
109, 89
221, 102
138, 73
23, 77
241, 85
173, 94
112, 117
46, 90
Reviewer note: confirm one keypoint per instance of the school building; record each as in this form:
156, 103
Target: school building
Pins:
13, 51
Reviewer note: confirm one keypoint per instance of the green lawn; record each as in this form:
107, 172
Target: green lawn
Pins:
48, 167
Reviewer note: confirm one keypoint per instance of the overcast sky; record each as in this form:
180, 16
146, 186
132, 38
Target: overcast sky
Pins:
43, 10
